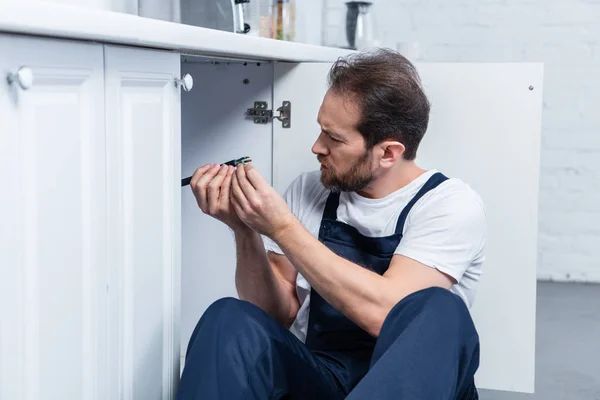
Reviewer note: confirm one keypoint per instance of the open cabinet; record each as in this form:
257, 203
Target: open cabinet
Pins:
485, 129
107, 263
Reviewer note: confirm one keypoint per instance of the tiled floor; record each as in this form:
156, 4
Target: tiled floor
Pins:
567, 345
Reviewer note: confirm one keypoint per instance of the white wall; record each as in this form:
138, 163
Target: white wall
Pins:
309, 21
565, 35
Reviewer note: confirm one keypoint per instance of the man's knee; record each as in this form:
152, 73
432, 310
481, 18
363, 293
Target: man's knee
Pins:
223, 309
436, 299
228, 321
443, 300
437, 305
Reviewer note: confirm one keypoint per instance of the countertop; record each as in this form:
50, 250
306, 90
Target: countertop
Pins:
73, 22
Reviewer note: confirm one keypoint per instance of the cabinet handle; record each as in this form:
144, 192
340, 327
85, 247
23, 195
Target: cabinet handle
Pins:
23, 76
187, 82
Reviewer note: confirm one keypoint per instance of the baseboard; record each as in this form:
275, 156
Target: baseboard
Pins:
581, 277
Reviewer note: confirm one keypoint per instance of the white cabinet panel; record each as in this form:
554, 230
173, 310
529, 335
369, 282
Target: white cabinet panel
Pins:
144, 135
53, 248
485, 129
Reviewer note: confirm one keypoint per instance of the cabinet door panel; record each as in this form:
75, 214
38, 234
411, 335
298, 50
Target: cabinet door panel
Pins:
484, 128
143, 125
53, 207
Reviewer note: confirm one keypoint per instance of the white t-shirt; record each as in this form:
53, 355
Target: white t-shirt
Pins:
445, 229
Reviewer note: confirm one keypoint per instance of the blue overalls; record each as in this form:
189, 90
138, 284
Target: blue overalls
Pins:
428, 347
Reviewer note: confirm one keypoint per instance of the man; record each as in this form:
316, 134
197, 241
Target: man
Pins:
369, 268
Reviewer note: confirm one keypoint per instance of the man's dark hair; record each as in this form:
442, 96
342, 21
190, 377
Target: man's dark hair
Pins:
388, 91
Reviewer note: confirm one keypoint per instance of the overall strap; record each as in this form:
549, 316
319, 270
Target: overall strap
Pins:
333, 200
433, 182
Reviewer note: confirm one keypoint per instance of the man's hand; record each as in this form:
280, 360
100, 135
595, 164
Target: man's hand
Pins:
257, 204
211, 185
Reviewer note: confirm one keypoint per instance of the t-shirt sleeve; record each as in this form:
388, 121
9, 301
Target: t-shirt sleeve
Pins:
446, 232
291, 196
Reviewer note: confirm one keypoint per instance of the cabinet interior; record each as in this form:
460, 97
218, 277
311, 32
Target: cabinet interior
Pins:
214, 130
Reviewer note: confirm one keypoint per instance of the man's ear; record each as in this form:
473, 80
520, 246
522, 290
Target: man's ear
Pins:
391, 151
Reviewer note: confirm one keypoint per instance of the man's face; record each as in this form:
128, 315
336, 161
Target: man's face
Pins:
346, 165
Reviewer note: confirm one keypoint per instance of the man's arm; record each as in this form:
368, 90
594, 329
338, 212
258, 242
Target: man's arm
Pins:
362, 295
266, 280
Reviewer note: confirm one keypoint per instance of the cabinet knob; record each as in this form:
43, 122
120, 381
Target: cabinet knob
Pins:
187, 82
23, 76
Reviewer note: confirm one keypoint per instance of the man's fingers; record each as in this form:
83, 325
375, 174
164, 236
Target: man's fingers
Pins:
254, 177
238, 193
200, 187
198, 174
214, 189
245, 185
226, 186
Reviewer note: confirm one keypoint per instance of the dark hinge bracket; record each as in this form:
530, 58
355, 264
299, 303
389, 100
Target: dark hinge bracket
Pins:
262, 115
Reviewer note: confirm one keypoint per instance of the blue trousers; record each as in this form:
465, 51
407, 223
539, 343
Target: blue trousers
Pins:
428, 349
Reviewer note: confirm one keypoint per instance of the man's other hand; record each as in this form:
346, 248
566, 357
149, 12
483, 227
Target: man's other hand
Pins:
258, 204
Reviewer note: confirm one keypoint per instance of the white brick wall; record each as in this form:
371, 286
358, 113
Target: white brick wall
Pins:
565, 35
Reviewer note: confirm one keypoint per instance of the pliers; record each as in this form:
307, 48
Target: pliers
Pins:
241, 160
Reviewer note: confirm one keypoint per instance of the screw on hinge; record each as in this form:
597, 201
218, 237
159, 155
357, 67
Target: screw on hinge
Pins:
530, 87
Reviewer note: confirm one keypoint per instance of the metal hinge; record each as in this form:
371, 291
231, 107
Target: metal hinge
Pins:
262, 115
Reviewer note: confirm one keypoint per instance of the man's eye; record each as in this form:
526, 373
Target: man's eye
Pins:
332, 138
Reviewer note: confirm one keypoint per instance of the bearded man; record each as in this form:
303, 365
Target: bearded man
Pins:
357, 282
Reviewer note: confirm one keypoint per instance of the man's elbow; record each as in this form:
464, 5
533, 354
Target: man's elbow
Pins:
376, 315
375, 322
286, 320
288, 316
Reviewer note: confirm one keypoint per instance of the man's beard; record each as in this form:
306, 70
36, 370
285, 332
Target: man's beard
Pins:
356, 178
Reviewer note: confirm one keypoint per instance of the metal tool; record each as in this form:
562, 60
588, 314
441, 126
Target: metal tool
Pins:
242, 160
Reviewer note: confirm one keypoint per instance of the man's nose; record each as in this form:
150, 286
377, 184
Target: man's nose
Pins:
318, 147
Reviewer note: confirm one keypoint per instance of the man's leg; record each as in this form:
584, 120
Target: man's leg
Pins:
428, 349
238, 352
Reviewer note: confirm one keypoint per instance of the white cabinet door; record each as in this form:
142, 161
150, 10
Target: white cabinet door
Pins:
485, 129
144, 191
53, 232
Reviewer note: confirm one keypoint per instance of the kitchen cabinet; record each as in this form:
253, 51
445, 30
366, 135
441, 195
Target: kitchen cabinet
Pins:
91, 213
107, 263
53, 247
